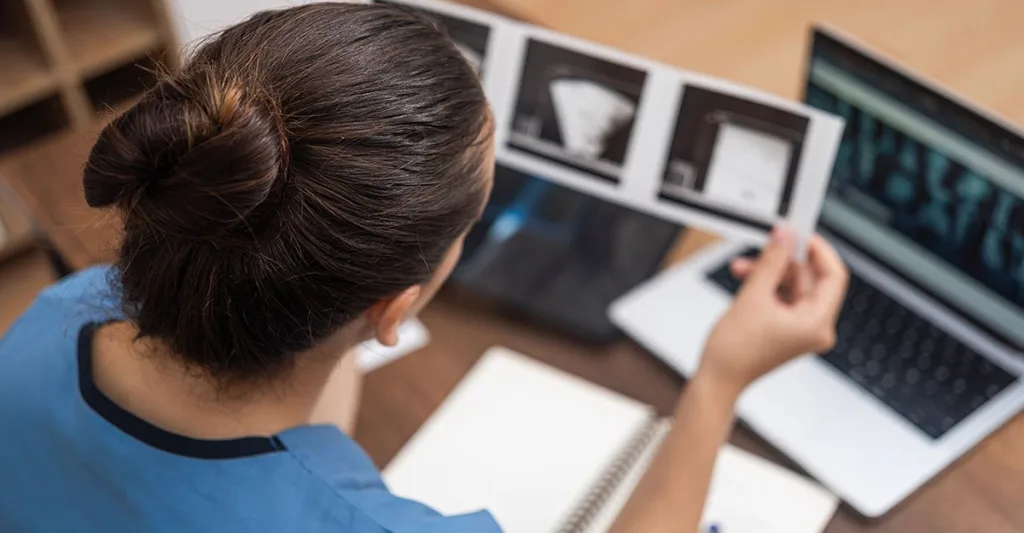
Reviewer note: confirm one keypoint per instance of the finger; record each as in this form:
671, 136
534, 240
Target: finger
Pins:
798, 284
770, 269
741, 266
830, 273
802, 280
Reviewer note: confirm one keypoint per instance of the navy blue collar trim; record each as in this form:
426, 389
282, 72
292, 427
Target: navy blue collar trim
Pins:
150, 434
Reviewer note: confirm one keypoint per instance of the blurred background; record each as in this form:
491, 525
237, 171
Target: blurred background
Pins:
67, 66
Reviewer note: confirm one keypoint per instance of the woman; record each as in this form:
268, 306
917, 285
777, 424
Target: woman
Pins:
302, 185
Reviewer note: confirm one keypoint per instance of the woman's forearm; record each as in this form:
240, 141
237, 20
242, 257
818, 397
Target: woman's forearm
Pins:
671, 495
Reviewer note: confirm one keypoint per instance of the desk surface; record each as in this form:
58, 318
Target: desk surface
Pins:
975, 47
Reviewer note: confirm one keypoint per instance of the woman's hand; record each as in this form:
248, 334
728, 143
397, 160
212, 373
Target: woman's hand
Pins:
783, 310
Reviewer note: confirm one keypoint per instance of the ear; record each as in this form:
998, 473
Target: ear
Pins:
386, 316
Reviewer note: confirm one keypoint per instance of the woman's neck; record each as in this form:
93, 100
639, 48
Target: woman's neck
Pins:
144, 378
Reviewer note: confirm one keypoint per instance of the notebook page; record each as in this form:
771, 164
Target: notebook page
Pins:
604, 519
748, 494
518, 438
751, 494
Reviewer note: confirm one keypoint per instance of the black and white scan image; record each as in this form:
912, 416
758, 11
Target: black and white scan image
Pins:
575, 109
733, 158
470, 37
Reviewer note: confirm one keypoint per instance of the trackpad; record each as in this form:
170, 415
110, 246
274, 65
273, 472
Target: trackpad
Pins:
790, 406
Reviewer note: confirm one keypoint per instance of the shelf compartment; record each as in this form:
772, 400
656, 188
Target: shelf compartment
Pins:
17, 232
102, 34
118, 89
25, 75
32, 123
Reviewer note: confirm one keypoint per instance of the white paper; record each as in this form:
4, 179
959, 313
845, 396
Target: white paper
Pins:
517, 438
412, 335
617, 500
638, 180
752, 495
748, 494
527, 442
748, 170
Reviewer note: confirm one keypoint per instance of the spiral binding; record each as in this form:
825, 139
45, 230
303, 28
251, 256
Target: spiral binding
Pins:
588, 507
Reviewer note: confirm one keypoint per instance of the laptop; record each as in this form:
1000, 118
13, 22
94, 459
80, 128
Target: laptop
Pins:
558, 256
926, 205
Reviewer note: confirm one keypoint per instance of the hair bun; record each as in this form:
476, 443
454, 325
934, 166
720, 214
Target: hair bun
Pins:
193, 165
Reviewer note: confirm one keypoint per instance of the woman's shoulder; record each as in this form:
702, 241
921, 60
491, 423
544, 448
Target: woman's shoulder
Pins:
63, 308
92, 285
349, 475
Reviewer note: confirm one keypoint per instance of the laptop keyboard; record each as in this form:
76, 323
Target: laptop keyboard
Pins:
927, 376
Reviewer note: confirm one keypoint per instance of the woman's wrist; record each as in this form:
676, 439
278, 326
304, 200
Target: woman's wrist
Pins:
712, 394
717, 384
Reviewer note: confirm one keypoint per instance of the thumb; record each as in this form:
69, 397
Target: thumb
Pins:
770, 269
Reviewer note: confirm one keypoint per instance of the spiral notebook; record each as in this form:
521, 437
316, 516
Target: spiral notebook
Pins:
545, 451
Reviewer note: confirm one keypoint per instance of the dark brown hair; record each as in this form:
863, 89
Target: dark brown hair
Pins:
302, 166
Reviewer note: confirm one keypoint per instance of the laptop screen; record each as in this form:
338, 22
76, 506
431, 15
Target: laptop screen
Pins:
925, 185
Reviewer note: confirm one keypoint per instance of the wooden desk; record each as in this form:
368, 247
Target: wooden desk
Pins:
974, 46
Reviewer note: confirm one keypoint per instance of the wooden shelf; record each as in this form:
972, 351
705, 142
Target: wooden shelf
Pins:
119, 88
104, 34
64, 61
47, 176
25, 75
31, 123
18, 233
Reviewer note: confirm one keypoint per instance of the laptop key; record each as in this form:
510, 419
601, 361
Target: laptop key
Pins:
911, 365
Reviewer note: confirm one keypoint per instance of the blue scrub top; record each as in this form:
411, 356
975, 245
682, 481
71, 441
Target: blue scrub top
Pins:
73, 460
